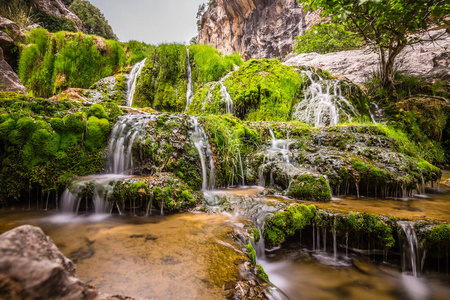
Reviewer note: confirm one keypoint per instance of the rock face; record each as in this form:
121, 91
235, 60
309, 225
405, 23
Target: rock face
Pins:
9, 81
58, 9
427, 60
255, 28
32, 267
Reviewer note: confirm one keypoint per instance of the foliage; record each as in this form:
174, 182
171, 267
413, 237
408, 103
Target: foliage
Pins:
51, 62
17, 11
54, 24
264, 90
92, 19
386, 26
251, 253
309, 187
286, 223
44, 143
326, 38
137, 51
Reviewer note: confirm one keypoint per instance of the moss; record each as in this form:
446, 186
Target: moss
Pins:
97, 133
264, 90
255, 233
309, 187
261, 273
251, 253
98, 111
285, 223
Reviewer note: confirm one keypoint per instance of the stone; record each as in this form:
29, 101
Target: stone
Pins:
32, 267
58, 9
9, 81
12, 28
255, 28
8, 46
428, 60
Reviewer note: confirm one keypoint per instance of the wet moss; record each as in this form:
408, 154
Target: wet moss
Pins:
251, 253
261, 273
309, 187
285, 223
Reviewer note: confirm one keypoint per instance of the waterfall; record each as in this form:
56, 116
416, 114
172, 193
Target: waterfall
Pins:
190, 87
200, 140
323, 103
280, 146
132, 80
412, 260
225, 95
120, 162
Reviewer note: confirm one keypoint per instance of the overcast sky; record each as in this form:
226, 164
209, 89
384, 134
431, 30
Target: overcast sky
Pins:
151, 21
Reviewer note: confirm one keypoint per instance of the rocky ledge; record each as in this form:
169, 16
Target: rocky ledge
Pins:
428, 60
32, 267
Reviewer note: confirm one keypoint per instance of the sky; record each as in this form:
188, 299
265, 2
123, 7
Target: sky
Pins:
151, 21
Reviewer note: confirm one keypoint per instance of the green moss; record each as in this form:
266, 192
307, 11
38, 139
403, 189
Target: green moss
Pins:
309, 187
251, 253
264, 90
285, 223
261, 273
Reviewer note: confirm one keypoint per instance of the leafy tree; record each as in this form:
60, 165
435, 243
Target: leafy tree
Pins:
387, 26
93, 19
326, 38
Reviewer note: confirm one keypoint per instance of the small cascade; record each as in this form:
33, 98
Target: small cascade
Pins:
96, 188
132, 81
225, 95
323, 103
200, 140
412, 258
190, 86
280, 146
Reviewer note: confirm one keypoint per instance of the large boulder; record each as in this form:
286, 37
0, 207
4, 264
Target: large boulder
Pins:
12, 28
428, 60
32, 267
9, 81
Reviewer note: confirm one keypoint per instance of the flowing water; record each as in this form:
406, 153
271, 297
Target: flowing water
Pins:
323, 103
200, 140
225, 95
120, 162
132, 81
190, 86
183, 256
412, 256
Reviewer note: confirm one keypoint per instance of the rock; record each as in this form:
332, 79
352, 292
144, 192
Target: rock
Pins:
12, 28
7, 45
32, 267
9, 81
427, 60
58, 9
255, 28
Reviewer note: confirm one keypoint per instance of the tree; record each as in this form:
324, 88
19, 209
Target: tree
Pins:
387, 26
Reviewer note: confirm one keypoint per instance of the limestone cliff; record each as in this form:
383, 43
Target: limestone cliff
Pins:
255, 28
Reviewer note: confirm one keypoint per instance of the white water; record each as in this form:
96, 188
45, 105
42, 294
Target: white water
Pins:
412, 260
225, 95
323, 103
200, 140
120, 163
190, 87
132, 81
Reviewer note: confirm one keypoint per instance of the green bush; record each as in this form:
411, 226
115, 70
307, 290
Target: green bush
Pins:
326, 38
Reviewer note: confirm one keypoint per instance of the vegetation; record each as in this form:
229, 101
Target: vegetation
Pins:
264, 90
326, 38
45, 143
386, 26
17, 11
49, 63
92, 19
286, 223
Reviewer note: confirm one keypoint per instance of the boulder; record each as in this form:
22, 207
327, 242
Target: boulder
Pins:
11, 28
428, 60
9, 81
32, 267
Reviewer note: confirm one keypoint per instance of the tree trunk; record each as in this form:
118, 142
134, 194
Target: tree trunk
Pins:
387, 68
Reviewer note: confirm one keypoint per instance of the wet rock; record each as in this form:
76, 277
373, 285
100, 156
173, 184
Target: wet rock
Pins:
9, 81
428, 60
255, 28
32, 267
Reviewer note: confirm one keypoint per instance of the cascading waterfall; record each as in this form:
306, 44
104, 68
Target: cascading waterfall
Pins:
120, 163
323, 103
190, 86
225, 95
132, 81
200, 140
412, 258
